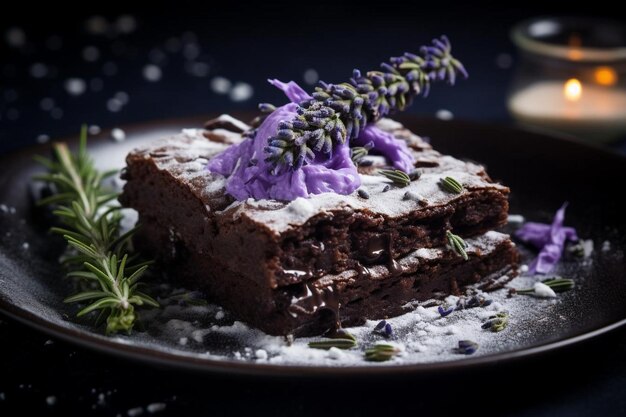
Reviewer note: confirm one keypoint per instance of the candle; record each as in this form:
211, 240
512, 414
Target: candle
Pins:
589, 111
571, 76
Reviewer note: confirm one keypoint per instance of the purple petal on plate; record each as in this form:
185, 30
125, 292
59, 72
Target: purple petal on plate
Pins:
537, 234
550, 239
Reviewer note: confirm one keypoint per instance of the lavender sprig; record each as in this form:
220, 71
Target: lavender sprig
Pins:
338, 112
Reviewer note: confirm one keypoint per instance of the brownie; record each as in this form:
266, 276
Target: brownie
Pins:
253, 255
319, 305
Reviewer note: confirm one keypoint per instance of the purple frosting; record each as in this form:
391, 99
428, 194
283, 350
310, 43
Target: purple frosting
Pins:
549, 238
249, 175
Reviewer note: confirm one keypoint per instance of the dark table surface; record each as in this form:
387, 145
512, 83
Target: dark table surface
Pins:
56, 74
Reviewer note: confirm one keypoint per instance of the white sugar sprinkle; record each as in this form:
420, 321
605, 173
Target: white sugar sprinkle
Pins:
75, 86
122, 96
220, 85
261, 354
51, 400
219, 315
241, 92
516, 219
444, 114
310, 76
25, 245
301, 207
606, 246
183, 341
335, 353
91, 53
134, 412
2, 396
542, 290
46, 104
118, 134
152, 73
114, 105
38, 70
156, 407
94, 129
43, 138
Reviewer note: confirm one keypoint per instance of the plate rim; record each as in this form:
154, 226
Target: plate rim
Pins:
144, 354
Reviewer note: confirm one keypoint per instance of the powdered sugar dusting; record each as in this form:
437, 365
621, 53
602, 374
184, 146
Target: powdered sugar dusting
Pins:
422, 334
180, 156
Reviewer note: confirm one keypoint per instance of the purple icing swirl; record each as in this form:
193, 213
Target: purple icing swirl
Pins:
249, 175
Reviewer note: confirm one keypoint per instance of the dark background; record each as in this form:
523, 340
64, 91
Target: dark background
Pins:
190, 44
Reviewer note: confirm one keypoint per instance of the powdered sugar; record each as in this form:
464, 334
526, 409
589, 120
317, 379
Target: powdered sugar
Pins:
421, 335
183, 156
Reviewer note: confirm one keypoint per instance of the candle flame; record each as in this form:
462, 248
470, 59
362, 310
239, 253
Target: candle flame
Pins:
605, 76
572, 89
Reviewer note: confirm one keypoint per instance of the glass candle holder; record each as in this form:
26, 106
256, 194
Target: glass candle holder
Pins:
572, 77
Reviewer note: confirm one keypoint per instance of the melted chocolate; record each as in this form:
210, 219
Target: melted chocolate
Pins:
379, 250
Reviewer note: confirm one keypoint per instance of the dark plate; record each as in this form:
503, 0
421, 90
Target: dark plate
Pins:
543, 171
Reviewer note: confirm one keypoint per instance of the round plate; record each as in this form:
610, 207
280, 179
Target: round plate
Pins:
543, 172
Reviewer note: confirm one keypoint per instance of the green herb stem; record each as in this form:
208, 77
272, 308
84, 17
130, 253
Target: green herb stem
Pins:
98, 253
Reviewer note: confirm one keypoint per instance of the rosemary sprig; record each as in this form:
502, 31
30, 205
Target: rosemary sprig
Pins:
557, 284
399, 178
336, 113
381, 353
98, 252
451, 185
457, 244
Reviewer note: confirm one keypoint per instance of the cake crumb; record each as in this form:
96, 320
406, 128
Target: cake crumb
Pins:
516, 219
261, 354
444, 114
335, 353
118, 134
